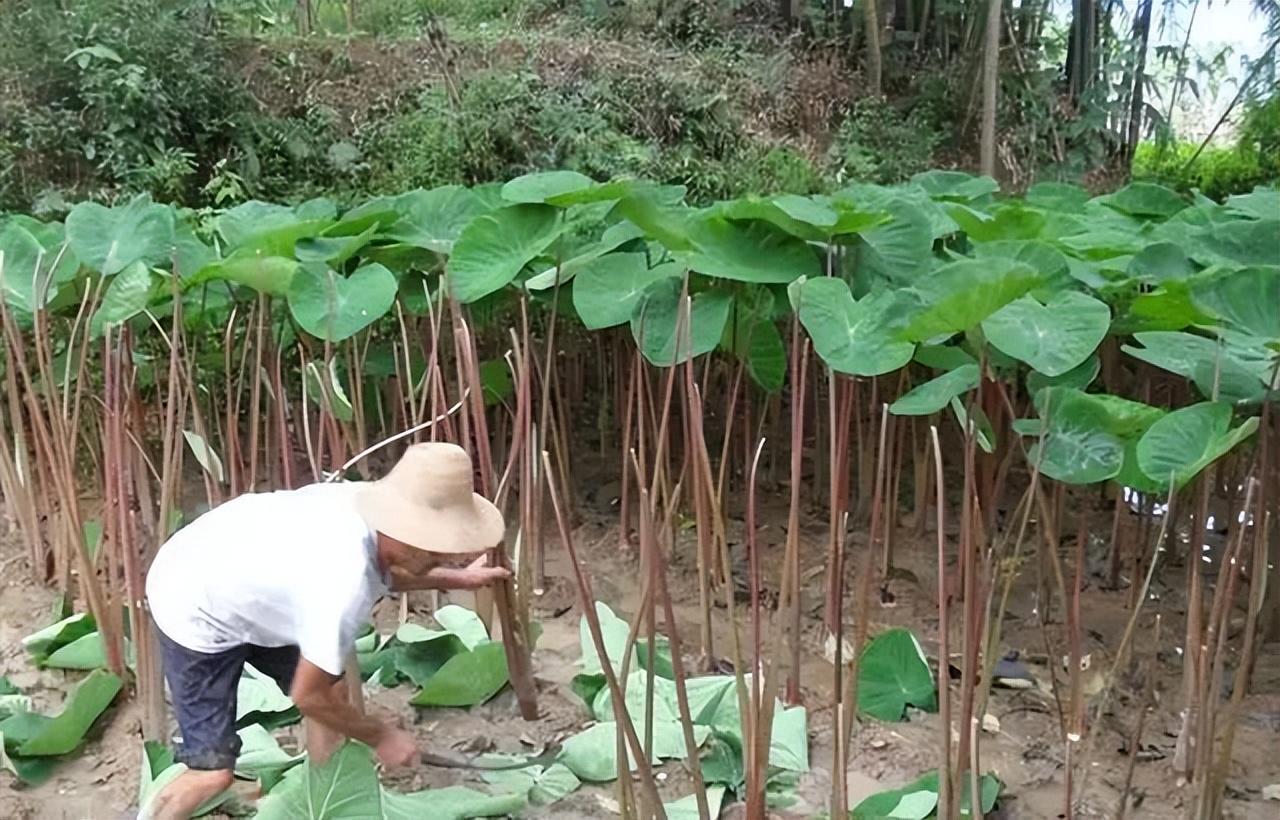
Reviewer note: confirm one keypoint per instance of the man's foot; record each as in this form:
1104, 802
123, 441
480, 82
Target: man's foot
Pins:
180, 799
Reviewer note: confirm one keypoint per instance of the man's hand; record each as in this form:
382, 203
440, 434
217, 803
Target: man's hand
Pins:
396, 749
475, 575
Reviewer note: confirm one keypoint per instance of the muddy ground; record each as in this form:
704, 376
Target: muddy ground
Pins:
101, 780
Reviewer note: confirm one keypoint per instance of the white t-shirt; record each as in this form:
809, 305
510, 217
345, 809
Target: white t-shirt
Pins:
294, 567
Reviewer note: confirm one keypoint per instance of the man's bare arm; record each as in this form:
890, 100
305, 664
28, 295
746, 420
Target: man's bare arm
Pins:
474, 576
316, 695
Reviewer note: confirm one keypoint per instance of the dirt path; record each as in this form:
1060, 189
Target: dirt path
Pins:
101, 780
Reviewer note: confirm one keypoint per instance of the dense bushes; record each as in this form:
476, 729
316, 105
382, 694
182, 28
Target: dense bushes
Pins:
880, 143
1219, 171
110, 94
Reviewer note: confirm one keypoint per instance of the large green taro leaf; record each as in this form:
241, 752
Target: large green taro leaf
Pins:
1177, 447
607, 289
1057, 196
334, 307
272, 229
110, 239
1054, 337
30, 275
955, 186
466, 679
935, 394
815, 218
43, 643
900, 249
1080, 444
592, 754
613, 238
960, 295
1233, 371
1241, 242
919, 799
752, 336
264, 273
126, 296
434, 219
495, 247
1145, 200
849, 335
563, 189
892, 675
1160, 262
1247, 299
750, 252
64, 732
1261, 203
1008, 221
667, 333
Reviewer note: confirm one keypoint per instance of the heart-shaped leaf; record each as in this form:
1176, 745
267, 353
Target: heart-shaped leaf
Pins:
849, 335
892, 675
1177, 447
751, 252
126, 297
111, 239
330, 306
1078, 447
1247, 299
606, 290
670, 334
1054, 337
1145, 199
466, 679
435, 219
960, 295
495, 247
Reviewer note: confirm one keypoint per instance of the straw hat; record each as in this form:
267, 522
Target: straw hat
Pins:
427, 501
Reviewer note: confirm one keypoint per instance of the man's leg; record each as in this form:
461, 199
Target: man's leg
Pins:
202, 687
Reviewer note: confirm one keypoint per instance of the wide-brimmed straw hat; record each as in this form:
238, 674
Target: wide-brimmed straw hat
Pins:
427, 501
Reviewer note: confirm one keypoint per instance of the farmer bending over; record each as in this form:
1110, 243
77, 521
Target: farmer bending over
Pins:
283, 581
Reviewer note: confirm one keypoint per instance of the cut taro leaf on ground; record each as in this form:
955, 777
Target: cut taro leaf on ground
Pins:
686, 808
259, 699
29, 742
918, 800
43, 643
542, 785
346, 788
466, 679
892, 675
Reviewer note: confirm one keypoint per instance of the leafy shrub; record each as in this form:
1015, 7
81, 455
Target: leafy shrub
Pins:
1218, 172
879, 143
113, 94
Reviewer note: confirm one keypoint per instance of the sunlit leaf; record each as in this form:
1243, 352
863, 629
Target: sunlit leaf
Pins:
495, 247
1178, 446
331, 306
1054, 337
850, 335
111, 239
205, 454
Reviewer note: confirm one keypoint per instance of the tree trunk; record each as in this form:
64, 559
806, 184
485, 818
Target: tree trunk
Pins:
873, 47
304, 17
1142, 34
1082, 46
990, 72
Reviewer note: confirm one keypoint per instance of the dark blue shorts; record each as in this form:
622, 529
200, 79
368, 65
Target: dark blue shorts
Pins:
203, 685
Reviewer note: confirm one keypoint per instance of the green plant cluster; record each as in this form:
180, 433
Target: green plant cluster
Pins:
943, 275
658, 125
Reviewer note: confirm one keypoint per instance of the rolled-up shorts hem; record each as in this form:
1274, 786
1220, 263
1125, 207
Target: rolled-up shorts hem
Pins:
203, 688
